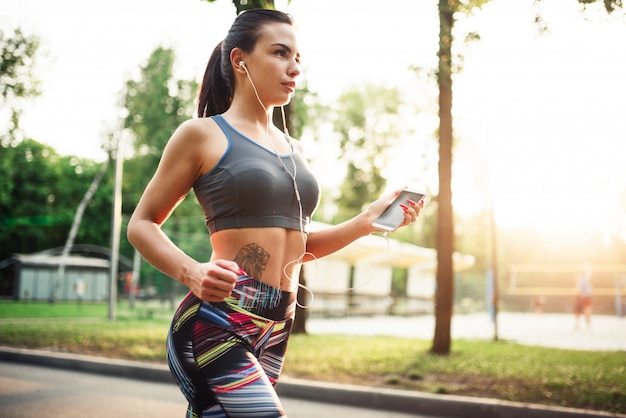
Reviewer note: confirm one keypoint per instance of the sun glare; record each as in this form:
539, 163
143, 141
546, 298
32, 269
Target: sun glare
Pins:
547, 118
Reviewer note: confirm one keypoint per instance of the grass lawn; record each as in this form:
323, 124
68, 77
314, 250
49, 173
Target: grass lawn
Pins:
501, 370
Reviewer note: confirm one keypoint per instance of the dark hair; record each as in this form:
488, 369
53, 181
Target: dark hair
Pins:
218, 84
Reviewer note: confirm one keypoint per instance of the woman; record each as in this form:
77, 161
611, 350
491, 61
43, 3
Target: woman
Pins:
229, 335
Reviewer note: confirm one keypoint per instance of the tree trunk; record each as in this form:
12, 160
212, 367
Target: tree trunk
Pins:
78, 216
445, 226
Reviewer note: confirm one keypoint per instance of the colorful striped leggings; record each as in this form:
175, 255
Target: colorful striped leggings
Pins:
226, 357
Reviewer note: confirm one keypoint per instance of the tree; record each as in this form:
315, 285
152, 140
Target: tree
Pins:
27, 203
243, 5
156, 104
39, 192
78, 217
444, 294
367, 121
609, 5
17, 81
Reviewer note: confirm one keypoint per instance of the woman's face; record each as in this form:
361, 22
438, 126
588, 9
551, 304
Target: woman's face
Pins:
274, 64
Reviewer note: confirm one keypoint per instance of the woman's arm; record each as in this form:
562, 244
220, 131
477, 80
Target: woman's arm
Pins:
181, 164
332, 239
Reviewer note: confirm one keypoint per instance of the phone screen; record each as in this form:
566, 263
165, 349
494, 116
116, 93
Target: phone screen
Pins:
393, 216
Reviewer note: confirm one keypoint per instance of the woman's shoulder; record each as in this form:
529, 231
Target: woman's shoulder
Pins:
196, 127
200, 140
195, 132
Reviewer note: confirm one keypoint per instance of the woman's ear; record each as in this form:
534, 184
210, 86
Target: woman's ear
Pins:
237, 60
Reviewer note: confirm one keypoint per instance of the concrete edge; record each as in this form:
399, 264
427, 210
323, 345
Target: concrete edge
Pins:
90, 364
377, 398
427, 404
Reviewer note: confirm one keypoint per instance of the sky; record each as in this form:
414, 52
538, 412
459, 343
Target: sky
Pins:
542, 117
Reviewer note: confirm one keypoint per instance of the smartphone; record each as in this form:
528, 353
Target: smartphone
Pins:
393, 216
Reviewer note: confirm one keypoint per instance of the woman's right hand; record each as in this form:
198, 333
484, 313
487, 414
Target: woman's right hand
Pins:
215, 280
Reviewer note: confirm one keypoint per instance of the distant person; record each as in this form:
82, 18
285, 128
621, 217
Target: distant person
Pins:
228, 337
539, 302
583, 305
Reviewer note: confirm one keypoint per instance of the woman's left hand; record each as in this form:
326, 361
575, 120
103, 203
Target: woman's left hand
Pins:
411, 209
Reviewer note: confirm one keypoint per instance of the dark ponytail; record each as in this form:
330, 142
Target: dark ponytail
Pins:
216, 91
218, 83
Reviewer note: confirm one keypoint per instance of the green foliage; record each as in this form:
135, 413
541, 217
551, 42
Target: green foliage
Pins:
39, 195
253, 4
242, 5
466, 7
17, 82
306, 111
188, 229
609, 5
18, 53
156, 103
40, 190
367, 121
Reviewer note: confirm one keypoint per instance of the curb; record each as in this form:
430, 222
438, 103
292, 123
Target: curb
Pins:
450, 406
391, 400
89, 364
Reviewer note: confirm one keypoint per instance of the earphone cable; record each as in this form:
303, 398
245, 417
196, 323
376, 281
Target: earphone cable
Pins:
300, 258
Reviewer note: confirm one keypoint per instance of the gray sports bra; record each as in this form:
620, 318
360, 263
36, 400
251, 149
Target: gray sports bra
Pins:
249, 187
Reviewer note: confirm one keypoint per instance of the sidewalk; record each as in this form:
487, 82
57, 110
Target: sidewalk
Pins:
607, 333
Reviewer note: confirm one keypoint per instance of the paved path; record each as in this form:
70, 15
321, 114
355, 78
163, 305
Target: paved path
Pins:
607, 333
28, 391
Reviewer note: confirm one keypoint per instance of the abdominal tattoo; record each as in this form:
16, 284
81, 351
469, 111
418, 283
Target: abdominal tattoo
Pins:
253, 259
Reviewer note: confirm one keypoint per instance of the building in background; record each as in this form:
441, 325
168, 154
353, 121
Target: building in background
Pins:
33, 276
358, 279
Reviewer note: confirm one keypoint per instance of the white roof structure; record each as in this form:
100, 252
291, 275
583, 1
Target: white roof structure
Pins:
377, 250
54, 261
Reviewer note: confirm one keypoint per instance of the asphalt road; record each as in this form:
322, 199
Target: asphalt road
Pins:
28, 391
